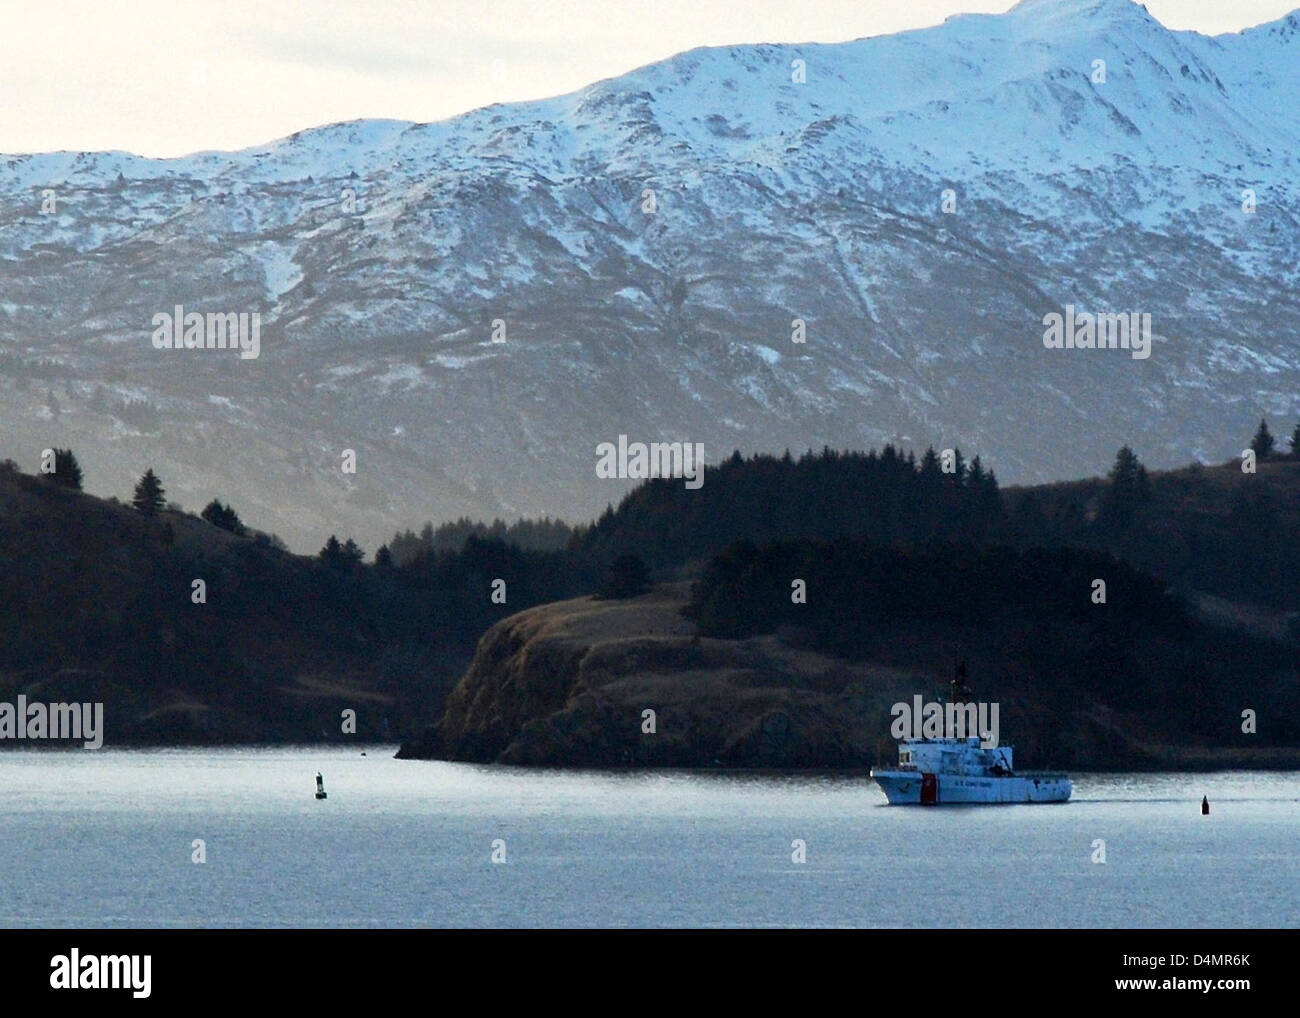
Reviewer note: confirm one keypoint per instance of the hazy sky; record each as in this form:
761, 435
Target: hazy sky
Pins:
167, 77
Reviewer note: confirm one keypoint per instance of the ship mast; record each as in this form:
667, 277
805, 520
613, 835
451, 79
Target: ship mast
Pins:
959, 691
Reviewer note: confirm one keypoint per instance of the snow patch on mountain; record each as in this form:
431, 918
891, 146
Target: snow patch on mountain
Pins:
381, 252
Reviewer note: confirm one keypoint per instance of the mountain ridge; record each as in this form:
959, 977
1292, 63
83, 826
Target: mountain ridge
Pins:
774, 201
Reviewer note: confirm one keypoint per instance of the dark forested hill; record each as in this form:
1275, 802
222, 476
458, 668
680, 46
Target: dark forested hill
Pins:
98, 603
1212, 529
796, 637
98, 600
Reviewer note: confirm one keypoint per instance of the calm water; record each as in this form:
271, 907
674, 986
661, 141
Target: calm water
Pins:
104, 839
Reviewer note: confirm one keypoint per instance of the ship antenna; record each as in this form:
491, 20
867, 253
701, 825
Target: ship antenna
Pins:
961, 692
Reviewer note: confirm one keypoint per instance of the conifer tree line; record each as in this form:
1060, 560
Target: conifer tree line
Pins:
890, 496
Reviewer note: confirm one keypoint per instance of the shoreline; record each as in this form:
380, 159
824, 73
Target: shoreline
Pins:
1197, 760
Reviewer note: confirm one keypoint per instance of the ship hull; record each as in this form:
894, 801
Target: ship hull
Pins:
907, 788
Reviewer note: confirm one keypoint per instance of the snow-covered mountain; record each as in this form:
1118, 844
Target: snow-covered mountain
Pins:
380, 253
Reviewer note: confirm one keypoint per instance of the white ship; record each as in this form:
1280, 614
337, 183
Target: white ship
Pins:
934, 772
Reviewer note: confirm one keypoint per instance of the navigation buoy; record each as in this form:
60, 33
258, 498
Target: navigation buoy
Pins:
1205, 806
320, 786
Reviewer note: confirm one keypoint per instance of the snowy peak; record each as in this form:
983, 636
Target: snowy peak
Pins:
1041, 57
1107, 14
918, 201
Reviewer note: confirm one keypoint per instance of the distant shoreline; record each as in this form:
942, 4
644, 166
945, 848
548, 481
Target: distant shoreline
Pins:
1278, 760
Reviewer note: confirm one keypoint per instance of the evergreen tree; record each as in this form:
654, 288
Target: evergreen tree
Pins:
405, 547
1295, 441
1263, 442
332, 553
929, 483
341, 556
225, 517
988, 499
67, 471
384, 557
958, 474
627, 577
149, 492
1128, 489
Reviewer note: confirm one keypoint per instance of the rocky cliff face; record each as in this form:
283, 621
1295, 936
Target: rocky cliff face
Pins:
569, 683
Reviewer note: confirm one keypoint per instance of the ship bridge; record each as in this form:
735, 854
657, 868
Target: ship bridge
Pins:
954, 756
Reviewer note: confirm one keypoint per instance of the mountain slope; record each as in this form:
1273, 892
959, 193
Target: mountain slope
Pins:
773, 200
